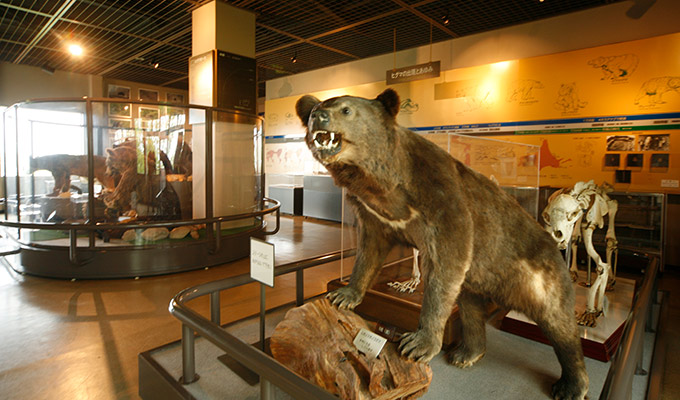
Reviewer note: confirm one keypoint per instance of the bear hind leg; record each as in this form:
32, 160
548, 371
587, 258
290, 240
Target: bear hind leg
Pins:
562, 332
472, 311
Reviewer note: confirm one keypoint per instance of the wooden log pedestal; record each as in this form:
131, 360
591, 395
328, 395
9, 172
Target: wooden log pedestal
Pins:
401, 310
316, 341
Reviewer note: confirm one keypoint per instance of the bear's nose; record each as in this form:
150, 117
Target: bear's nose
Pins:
321, 116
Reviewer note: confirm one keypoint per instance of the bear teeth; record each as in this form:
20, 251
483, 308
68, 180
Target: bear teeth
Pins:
325, 140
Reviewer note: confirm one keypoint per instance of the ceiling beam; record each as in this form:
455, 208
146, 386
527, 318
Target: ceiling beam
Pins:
45, 29
85, 24
147, 50
301, 40
426, 18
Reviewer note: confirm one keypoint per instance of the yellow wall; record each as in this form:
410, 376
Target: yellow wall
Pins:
567, 103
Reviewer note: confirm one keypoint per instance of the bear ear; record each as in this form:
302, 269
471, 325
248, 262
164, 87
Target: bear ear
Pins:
390, 100
304, 107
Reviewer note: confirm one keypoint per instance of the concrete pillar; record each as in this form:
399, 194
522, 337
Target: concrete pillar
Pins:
222, 74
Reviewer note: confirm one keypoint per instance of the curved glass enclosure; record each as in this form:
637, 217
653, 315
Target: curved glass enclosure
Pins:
104, 188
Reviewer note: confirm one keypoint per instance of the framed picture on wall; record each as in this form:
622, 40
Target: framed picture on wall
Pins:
654, 142
120, 110
612, 160
148, 95
659, 160
176, 98
634, 160
118, 123
148, 113
621, 143
118, 92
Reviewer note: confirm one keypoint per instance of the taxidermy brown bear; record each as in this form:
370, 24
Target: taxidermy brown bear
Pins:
476, 242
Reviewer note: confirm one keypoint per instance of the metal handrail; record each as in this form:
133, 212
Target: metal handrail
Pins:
628, 358
268, 368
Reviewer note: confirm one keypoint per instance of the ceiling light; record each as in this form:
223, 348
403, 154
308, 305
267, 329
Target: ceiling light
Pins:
75, 49
445, 19
294, 58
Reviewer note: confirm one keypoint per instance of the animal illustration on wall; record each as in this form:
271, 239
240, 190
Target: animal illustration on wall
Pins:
62, 166
615, 67
568, 100
573, 214
475, 241
652, 91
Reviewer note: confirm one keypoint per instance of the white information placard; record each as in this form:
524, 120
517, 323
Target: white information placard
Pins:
369, 343
262, 261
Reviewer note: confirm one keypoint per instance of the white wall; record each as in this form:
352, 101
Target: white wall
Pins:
23, 82
590, 28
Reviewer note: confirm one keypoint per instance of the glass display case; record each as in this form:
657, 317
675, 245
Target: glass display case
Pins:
112, 188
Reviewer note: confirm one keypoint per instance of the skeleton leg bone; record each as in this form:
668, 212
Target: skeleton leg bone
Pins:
594, 305
411, 284
612, 243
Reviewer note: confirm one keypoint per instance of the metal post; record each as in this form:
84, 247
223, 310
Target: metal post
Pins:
4, 161
90, 169
265, 389
215, 308
73, 246
209, 173
262, 312
188, 357
299, 287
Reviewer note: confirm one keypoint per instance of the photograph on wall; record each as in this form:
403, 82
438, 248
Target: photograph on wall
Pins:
612, 160
148, 95
119, 92
176, 98
659, 160
148, 113
117, 123
634, 160
654, 142
120, 110
621, 143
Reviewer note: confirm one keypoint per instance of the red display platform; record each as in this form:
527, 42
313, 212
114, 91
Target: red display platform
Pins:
599, 342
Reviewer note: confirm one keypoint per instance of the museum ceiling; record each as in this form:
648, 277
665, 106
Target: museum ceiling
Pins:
150, 40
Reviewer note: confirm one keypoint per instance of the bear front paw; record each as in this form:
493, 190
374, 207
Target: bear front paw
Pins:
345, 298
419, 346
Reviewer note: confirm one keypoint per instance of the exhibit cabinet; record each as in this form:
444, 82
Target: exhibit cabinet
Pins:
95, 190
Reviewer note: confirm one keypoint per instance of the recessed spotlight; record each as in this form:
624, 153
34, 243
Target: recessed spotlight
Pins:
75, 49
294, 58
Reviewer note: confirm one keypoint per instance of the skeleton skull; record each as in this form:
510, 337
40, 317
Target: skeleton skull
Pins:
561, 215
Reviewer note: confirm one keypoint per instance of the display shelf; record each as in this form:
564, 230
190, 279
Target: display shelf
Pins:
600, 342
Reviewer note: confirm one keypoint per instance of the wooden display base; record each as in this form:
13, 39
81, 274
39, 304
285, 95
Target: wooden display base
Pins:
401, 310
600, 342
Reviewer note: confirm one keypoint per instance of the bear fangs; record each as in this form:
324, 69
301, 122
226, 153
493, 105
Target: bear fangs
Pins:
324, 140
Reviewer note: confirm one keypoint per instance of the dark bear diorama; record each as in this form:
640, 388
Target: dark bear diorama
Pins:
477, 243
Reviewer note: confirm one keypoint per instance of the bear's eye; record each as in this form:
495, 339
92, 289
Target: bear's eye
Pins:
346, 111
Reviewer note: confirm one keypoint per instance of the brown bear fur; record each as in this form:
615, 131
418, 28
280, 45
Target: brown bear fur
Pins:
121, 162
476, 241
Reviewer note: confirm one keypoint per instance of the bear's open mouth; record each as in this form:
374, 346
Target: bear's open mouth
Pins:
327, 142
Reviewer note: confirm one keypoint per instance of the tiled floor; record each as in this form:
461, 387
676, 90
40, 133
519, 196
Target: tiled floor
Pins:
79, 340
